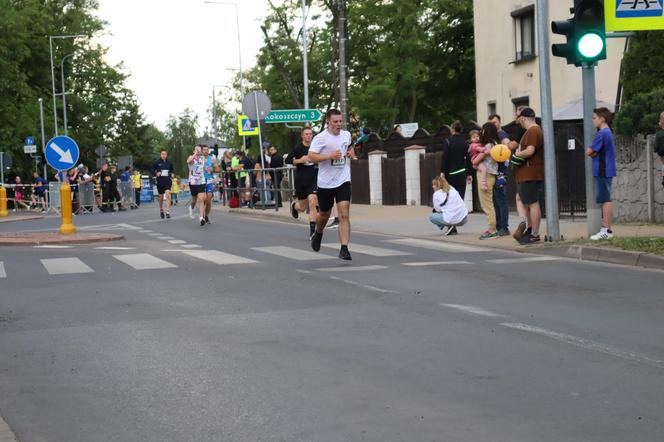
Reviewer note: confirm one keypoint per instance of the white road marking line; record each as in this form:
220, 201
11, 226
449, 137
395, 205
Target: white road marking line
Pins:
435, 263
154, 234
307, 272
115, 248
473, 310
177, 241
364, 286
218, 257
165, 238
369, 250
521, 260
191, 246
3, 273
351, 269
53, 246
65, 266
144, 261
437, 245
586, 344
292, 253
145, 231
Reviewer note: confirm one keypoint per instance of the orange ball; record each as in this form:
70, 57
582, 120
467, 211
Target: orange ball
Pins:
500, 153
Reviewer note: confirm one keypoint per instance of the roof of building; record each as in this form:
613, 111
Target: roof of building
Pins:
574, 109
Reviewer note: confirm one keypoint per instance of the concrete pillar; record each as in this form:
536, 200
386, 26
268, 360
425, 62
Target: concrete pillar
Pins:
650, 176
376, 176
413, 194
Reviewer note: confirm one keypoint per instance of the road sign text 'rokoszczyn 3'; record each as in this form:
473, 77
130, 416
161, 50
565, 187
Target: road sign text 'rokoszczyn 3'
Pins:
293, 116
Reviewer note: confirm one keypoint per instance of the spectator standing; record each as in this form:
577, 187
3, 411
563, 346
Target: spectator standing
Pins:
488, 139
137, 185
277, 162
39, 191
72, 179
456, 166
116, 198
449, 209
500, 189
530, 176
105, 182
602, 151
659, 143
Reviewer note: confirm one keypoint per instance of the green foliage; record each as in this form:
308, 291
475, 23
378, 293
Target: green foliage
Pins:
643, 64
181, 136
640, 115
100, 109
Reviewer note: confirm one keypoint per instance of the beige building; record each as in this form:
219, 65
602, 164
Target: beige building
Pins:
507, 65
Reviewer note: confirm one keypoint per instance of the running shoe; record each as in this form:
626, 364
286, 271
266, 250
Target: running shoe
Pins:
316, 240
603, 235
520, 231
293, 211
529, 238
202, 222
335, 224
452, 231
168, 215
345, 254
161, 214
504, 232
207, 220
489, 235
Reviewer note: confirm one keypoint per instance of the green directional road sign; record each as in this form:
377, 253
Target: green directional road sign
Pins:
293, 116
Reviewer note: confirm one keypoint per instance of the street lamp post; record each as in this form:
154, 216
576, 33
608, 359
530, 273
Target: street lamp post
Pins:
64, 92
43, 135
55, 105
214, 107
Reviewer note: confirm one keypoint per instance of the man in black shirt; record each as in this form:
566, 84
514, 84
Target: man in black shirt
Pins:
276, 162
306, 178
456, 165
163, 170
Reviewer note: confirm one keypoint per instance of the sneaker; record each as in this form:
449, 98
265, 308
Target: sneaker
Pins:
202, 222
335, 224
316, 240
168, 215
520, 231
504, 232
191, 212
345, 254
293, 211
489, 235
603, 235
445, 229
528, 238
452, 231
161, 214
207, 220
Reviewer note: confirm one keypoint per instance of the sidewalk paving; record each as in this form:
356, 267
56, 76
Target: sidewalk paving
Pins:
15, 217
44, 238
412, 221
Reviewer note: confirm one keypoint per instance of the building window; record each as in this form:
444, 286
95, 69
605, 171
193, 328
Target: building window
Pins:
520, 101
491, 107
524, 33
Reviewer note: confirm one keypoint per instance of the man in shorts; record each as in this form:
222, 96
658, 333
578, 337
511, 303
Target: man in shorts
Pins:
196, 165
332, 151
306, 179
211, 166
530, 176
163, 170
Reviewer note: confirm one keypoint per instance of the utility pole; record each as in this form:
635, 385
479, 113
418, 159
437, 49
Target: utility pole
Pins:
43, 135
343, 67
551, 181
593, 211
305, 55
64, 92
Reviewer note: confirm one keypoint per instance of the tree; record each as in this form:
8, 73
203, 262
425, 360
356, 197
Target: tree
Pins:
640, 115
643, 64
181, 136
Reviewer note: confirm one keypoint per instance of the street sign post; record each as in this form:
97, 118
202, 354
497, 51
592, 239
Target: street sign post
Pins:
293, 116
634, 15
256, 105
245, 127
29, 146
62, 153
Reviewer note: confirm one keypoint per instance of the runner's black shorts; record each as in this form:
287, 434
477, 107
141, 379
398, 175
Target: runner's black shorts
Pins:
305, 183
195, 189
327, 197
164, 186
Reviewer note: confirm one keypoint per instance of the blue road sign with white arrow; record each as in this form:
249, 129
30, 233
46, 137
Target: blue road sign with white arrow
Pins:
62, 153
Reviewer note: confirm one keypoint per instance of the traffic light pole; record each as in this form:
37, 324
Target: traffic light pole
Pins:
551, 181
593, 212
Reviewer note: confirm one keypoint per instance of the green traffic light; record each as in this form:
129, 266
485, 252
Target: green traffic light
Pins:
590, 45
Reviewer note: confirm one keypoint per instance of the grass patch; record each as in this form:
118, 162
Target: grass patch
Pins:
648, 244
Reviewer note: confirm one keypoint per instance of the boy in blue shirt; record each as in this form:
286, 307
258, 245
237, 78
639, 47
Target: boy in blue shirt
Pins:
603, 154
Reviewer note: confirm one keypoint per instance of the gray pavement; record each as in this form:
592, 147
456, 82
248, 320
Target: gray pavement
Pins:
238, 332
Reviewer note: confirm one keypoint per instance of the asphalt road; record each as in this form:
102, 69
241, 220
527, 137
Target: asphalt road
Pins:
238, 332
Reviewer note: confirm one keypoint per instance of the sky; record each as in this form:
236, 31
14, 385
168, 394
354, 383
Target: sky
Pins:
176, 50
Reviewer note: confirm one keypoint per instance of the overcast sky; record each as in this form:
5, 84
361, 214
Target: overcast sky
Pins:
176, 50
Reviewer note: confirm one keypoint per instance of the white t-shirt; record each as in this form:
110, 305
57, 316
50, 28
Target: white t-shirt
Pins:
197, 171
454, 211
332, 173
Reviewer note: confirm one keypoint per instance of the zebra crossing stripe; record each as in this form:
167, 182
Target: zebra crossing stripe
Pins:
3, 274
437, 245
218, 257
144, 261
65, 266
292, 253
369, 250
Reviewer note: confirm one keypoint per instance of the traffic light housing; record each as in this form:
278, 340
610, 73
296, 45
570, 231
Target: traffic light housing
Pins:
585, 33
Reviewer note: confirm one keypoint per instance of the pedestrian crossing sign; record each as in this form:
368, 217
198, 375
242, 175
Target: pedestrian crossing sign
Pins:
245, 126
634, 15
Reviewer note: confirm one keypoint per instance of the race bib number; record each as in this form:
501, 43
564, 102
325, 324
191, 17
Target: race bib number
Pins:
341, 162
164, 173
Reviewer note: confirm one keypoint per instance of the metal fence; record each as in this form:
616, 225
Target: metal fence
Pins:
258, 188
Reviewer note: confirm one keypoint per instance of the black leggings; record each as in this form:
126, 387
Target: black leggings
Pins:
458, 181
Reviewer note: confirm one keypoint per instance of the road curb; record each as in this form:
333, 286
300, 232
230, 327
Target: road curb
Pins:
6, 433
608, 255
37, 239
11, 219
